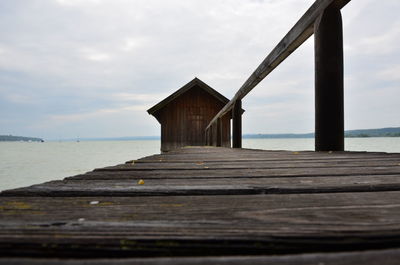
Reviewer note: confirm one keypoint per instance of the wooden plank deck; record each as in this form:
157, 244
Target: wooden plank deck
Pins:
219, 205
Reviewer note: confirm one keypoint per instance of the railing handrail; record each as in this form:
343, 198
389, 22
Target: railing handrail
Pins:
301, 31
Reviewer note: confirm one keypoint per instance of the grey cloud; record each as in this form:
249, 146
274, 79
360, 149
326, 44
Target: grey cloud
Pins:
78, 58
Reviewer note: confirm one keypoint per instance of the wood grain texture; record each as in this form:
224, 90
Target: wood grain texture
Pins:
192, 171
199, 225
211, 202
210, 186
378, 257
185, 114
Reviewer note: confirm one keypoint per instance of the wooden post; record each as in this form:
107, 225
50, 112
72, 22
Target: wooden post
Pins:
219, 132
212, 135
206, 137
329, 110
237, 124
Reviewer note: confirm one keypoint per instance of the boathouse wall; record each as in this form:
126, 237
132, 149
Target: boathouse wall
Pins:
185, 114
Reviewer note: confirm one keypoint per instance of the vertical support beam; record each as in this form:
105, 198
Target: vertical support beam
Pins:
206, 137
237, 124
212, 135
219, 132
329, 107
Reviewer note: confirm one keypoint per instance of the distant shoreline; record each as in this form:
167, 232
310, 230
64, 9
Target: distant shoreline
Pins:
244, 137
12, 138
382, 132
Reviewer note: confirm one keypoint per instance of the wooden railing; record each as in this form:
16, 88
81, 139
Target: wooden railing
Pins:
323, 19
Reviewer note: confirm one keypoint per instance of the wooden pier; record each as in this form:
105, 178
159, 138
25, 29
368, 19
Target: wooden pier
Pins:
208, 205
216, 205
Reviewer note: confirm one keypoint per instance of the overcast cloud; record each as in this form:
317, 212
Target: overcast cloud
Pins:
91, 68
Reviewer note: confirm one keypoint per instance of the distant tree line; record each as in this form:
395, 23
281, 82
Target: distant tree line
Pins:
11, 138
372, 135
383, 132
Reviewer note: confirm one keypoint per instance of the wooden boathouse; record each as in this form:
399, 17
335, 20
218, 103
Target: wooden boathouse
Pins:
217, 205
185, 114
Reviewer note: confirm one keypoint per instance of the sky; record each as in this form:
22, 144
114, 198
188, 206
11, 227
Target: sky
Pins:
91, 68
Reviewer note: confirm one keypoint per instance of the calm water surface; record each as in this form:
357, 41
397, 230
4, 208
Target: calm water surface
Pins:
27, 163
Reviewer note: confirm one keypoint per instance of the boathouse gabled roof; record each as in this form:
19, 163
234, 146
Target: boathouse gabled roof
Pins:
195, 82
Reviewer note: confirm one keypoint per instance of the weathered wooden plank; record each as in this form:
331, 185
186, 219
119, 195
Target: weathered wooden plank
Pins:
374, 257
193, 150
143, 225
245, 156
211, 186
272, 161
337, 172
193, 225
211, 149
133, 176
260, 172
266, 164
208, 210
232, 152
194, 158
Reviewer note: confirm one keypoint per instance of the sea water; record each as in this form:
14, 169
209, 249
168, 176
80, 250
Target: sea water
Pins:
26, 163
